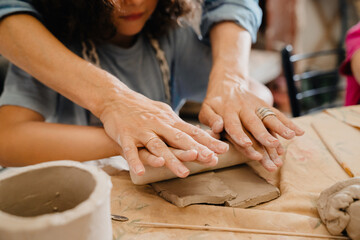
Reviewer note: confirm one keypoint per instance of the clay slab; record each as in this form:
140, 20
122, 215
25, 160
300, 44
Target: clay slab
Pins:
200, 188
237, 186
250, 188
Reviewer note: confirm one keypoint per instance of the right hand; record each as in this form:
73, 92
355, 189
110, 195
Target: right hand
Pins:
135, 121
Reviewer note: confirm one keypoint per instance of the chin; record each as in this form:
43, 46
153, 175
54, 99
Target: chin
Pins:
131, 31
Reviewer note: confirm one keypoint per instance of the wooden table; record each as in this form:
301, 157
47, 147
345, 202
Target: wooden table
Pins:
309, 167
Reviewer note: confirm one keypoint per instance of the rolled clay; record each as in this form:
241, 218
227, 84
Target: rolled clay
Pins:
55, 200
152, 174
339, 208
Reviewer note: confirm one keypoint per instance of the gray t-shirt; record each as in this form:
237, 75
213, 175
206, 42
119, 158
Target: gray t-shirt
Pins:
188, 57
137, 67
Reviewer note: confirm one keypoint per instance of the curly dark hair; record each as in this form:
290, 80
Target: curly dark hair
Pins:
79, 20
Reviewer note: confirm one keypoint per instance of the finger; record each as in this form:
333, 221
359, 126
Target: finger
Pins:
249, 152
267, 163
131, 155
234, 128
212, 134
288, 123
202, 137
185, 156
279, 149
274, 156
149, 159
256, 127
274, 124
208, 117
157, 147
179, 139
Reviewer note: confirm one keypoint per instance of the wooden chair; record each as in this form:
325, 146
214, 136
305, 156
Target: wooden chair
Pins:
312, 90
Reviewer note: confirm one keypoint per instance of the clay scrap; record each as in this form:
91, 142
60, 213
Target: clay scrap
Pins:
339, 208
237, 186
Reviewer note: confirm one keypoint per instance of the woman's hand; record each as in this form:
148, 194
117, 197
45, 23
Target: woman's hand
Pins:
232, 101
138, 122
230, 106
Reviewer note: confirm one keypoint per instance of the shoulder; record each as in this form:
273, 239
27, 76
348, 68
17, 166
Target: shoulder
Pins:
10, 7
180, 36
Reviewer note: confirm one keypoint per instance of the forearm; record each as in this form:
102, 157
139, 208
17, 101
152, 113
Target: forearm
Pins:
29, 45
33, 142
230, 50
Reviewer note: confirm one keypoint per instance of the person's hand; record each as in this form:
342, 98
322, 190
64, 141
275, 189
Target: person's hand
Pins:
135, 121
150, 159
231, 107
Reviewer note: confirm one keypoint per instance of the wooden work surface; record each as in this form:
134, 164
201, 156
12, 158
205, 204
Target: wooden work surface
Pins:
309, 167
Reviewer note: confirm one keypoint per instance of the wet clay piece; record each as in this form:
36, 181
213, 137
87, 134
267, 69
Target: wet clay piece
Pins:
250, 188
236, 187
200, 188
339, 208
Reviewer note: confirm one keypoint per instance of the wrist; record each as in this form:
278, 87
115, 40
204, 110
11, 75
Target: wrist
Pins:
107, 90
228, 76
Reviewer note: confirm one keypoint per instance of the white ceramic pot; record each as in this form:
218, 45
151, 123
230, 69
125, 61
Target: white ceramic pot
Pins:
55, 200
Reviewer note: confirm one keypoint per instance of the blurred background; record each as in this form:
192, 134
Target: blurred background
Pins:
309, 26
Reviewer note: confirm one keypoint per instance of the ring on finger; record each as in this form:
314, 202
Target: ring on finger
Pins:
263, 112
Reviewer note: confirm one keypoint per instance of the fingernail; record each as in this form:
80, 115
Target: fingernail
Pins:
193, 151
271, 140
184, 172
256, 155
245, 141
299, 131
206, 152
289, 133
139, 170
278, 162
215, 159
280, 150
270, 165
223, 147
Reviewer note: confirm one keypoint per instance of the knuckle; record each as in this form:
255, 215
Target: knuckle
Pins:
180, 135
127, 150
147, 116
154, 144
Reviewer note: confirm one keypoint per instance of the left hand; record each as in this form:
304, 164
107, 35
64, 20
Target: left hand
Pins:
230, 106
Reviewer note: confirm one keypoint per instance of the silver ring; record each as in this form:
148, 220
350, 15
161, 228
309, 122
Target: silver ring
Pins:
263, 112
